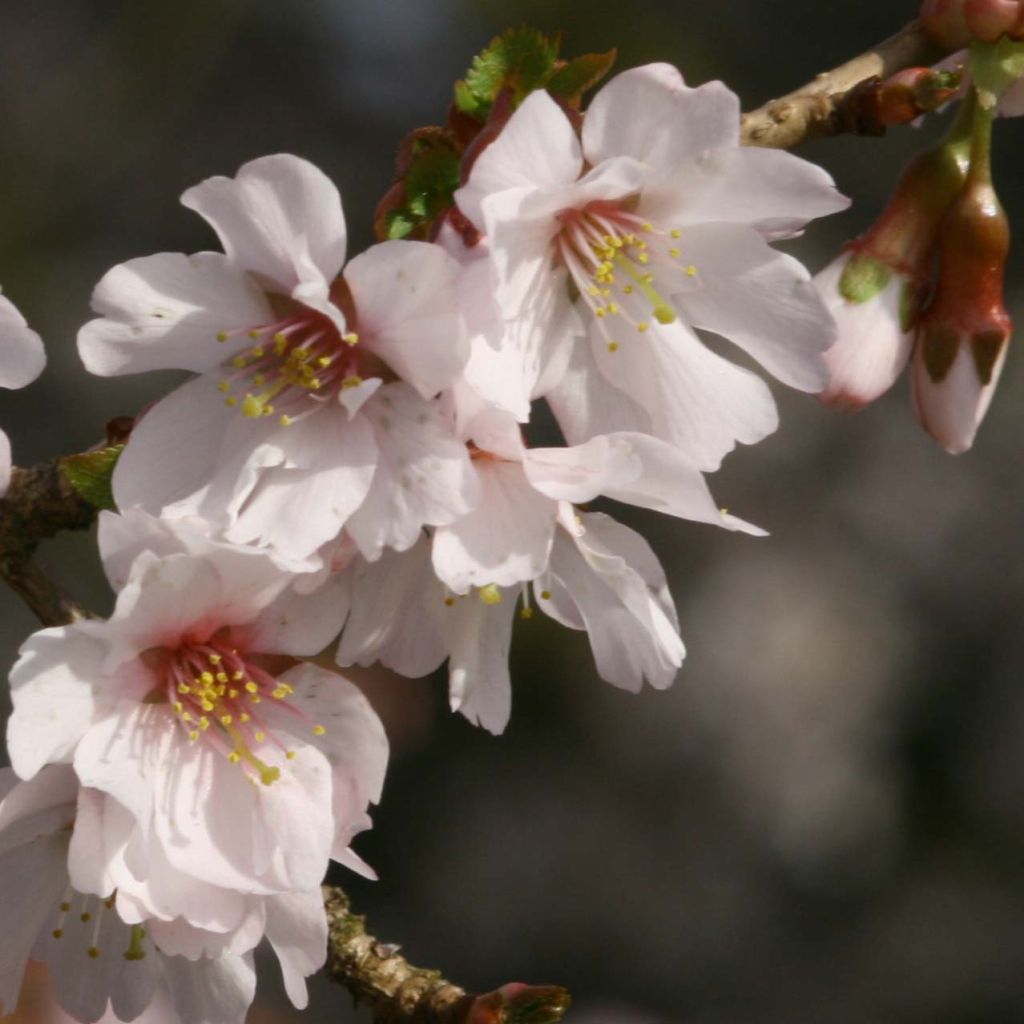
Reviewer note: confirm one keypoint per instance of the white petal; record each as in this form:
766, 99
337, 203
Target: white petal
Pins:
504, 540
648, 113
22, 356
297, 929
43, 803
423, 475
697, 400
536, 149
871, 349
618, 587
211, 991
164, 312
396, 616
279, 217
296, 507
404, 295
952, 410
762, 300
580, 473
5, 463
771, 190
55, 696
479, 636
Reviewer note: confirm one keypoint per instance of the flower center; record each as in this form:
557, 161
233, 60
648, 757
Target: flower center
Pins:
290, 362
622, 264
215, 694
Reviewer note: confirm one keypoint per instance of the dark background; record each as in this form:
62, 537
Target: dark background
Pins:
823, 820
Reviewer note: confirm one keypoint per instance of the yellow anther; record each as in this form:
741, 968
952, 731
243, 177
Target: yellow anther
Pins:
647, 226
599, 312
238, 676
594, 290
613, 309
676, 233
674, 253
259, 380
240, 362
351, 338
278, 694
526, 613
224, 386
93, 952
251, 687
234, 757
545, 595
231, 402
324, 361
222, 335
204, 723
318, 730
226, 719
222, 677
207, 677
628, 289
642, 326
449, 601
258, 352
613, 346
269, 775
57, 932
259, 737
184, 688
664, 314
65, 906
244, 717
252, 407
347, 383
214, 659
490, 594
207, 705
186, 716
285, 421
86, 916
642, 257
268, 410
255, 698
255, 333
290, 754
691, 271
193, 735
178, 707
232, 694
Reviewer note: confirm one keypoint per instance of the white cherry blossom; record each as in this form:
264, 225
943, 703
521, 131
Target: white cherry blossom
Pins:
22, 358
655, 222
216, 778
297, 416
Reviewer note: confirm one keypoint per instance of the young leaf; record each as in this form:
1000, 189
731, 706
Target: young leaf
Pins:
576, 76
90, 473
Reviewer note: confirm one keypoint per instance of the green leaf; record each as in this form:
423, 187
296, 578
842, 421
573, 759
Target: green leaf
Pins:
522, 59
90, 473
581, 74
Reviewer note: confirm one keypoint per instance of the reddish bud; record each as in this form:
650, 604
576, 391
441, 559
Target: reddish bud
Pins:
912, 92
516, 1003
962, 336
988, 20
946, 22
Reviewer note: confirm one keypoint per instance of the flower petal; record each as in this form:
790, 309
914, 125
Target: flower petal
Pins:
579, 474
280, 218
22, 356
165, 311
297, 929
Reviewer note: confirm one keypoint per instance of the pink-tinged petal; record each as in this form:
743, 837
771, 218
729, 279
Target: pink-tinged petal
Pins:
5, 463
871, 349
513, 361
423, 476
581, 473
669, 482
351, 860
328, 467
55, 696
406, 313
537, 149
586, 403
952, 410
696, 400
297, 623
165, 311
45, 802
648, 113
211, 991
297, 930
33, 877
504, 540
280, 218
762, 300
396, 615
102, 830
618, 587
771, 190
353, 740
352, 399
22, 356
479, 636
176, 450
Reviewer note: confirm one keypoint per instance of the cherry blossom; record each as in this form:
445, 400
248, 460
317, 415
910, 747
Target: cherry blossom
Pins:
22, 358
658, 221
297, 417
97, 963
216, 779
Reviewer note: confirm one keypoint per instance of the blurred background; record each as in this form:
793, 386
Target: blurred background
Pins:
823, 820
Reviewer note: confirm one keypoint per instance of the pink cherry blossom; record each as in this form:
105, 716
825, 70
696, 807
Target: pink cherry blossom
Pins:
215, 778
22, 358
297, 410
659, 221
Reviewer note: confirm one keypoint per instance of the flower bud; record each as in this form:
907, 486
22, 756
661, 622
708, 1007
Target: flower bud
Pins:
874, 289
946, 22
987, 20
962, 336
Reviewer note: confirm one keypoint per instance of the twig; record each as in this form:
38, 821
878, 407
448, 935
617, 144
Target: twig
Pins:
818, 108
398, 993
39, 503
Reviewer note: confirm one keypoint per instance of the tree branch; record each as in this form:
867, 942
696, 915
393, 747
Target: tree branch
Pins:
399, 993
39, 503
820, 108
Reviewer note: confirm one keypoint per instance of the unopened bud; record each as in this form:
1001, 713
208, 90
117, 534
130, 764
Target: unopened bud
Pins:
912, 92
987, 20
946, 22
963, 334
516, 1003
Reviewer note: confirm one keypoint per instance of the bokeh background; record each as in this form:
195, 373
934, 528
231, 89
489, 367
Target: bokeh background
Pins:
823, 821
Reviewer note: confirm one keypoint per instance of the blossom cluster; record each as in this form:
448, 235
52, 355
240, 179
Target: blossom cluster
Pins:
353, 473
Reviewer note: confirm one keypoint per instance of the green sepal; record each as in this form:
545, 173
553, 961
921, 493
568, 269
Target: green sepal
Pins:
90, 473
521, 59
995, 67
863, 278
580, 74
